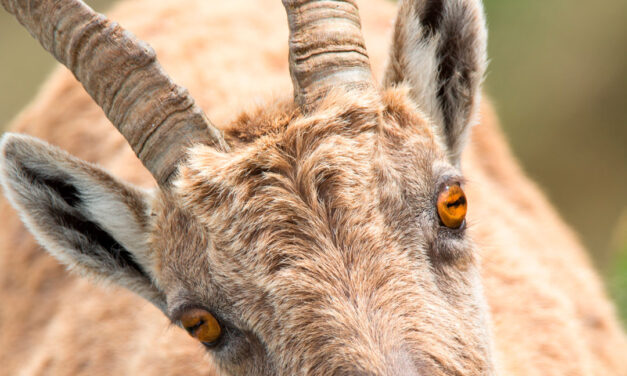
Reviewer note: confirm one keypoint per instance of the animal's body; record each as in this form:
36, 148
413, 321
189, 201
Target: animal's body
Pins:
547, 313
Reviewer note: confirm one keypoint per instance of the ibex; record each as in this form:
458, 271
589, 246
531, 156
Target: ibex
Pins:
319, 233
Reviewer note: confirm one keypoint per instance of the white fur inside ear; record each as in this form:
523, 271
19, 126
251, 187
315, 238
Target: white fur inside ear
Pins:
114, 216
424, 86
440, 52
90, 221
423, 81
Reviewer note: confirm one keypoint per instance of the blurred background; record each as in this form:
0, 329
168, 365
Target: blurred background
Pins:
558, 78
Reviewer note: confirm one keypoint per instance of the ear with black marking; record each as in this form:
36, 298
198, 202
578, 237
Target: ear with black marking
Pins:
439, 50
83, 216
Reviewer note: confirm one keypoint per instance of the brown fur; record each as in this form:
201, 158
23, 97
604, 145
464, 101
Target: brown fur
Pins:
287, 235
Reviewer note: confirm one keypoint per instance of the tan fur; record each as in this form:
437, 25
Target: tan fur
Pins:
547, 312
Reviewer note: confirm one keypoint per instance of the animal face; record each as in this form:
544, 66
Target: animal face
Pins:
324, 235
319, 248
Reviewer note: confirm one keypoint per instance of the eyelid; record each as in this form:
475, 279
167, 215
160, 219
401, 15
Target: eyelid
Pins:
448, 179
176, 313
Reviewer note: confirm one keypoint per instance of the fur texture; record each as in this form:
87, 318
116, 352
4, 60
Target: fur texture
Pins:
315, 241
440, 52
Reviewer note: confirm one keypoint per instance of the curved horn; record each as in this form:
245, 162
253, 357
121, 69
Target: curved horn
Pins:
157, 117
326, 48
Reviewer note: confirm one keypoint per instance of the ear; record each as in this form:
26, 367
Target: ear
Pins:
439, 50
83, 216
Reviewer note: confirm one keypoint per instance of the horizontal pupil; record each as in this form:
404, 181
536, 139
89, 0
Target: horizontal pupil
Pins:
459, 201
192, 329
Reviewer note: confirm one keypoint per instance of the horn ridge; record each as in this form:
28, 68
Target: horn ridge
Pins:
327, 49
157, 117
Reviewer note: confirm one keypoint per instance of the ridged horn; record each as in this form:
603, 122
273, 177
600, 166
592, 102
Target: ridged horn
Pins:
326, 48
158, 118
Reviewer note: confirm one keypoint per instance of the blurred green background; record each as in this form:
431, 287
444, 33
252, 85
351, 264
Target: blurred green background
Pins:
558, 77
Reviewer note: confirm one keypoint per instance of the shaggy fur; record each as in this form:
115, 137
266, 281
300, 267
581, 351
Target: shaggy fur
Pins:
315, 241
440, 51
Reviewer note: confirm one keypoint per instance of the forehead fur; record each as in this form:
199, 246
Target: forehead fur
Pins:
304, 172
325, 221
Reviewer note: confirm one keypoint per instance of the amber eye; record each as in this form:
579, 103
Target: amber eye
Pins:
201, 325
452, 206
